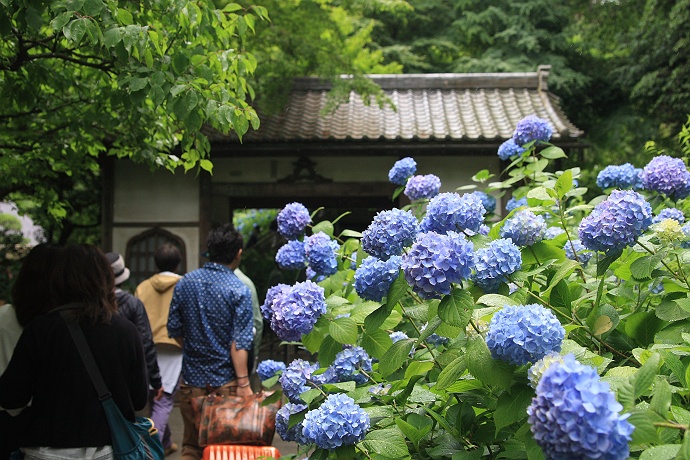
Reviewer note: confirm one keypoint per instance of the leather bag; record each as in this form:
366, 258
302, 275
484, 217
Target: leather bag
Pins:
235, 419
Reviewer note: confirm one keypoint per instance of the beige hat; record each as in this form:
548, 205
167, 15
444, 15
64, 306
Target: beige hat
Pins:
117, 263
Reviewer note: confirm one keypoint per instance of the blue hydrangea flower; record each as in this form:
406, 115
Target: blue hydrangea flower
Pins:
291, 256
575, 415
321, 252
337, 422
576, 247
422, 187
532, 128
296, 310
669, 213
436, 261
292, 220
515, 203
509, 150
272, 293
552, 232
521, 334
293, 434
380, 389
402, 170
352, 364
668, 176
389, 233
524, 228
494, 262
374, 277
313, 276
296, 378
488, 201
624, 176
268, 368
328, 376
437, 340
616, 222
451, 212
397, 336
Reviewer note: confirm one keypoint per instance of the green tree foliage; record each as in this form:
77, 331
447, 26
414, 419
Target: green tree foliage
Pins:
12, 247
82, 77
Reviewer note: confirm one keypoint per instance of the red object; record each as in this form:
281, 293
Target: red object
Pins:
236, 452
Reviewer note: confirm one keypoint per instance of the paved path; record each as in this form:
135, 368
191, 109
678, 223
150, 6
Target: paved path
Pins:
285, 448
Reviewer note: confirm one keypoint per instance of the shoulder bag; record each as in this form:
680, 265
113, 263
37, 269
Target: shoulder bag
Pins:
131, 440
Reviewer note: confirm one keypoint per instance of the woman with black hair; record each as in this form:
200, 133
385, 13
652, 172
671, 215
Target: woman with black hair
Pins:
66, 419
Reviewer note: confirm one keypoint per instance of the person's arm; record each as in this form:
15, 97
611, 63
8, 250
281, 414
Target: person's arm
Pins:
239, 362
175, 330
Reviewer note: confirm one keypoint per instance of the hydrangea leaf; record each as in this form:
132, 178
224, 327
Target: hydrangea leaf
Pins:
642, 327
645, 431
343, 330
496, 300
512, 407
396, 355
323, 226
360, 311
375, 319
456, 308
397, 291
418, 368
328, 349
389, 443
483, 367
641, 269
451, 373
552, 153
603, 263
376, 342
664, 452
564, 183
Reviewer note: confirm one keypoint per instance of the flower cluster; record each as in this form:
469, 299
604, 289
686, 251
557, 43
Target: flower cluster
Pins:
494, 262
623, 176
509, 150
291, 256
521, 334
272, 293
397, 336
352, 364
537, 369
514, 203
670, 231
524, 228
575, 414
293, 434
337, 422
389, 233
295, 310
451, 212
295, 378
668, 176
552, 232
488, 201
321, 251
436, 261
576, 247
532, 128
616, 222
402, 170
268, 368
374, 277
669, 213
422, 187
293, 220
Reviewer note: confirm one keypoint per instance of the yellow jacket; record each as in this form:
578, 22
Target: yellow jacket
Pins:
156, 294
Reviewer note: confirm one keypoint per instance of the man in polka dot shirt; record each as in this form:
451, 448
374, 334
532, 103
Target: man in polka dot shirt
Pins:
211, 317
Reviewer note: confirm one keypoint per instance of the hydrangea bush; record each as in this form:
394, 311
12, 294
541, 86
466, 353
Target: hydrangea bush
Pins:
560, 332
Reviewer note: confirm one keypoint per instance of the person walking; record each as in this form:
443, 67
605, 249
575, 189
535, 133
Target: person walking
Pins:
132, 309
66, 418
211, 316
156, 293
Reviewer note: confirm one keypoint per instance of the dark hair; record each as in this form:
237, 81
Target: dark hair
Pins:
167, 257
31, 290
223, 244
84, 276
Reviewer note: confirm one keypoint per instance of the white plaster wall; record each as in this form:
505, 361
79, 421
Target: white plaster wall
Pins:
190, 236
160, 196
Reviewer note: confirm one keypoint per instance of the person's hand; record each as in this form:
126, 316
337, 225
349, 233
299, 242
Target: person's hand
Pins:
159, 394
244, 391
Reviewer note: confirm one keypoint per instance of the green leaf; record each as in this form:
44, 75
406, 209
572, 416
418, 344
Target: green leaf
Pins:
451, 373
661, 398
137, 83
512, 407
602, 325
560, 297
374, 320
414, 433
418, 368
553, 153
665, 452
75, 30
344, 330
672, 309
397, 291
329, 348
642, 326
376, 342
483, 367
496, 300
323, 226
230, 7
645, 376
61, 19
645, 431
641, 269
206, 165
124, 17
388, 442
456, 308
564, 183
396, 355
603, 263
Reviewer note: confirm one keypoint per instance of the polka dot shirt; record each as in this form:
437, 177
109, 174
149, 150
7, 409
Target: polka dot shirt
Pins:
210, 309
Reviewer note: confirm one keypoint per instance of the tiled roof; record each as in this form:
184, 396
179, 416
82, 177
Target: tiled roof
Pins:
455, 108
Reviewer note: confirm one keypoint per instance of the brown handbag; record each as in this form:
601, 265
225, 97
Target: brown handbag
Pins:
235, 419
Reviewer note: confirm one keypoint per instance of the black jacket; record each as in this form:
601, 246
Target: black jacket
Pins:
131, 308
